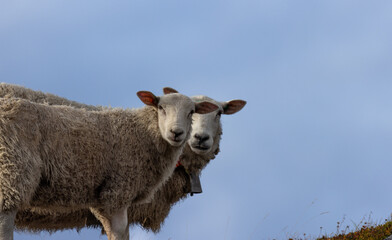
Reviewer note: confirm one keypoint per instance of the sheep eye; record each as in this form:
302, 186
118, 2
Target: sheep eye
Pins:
191, 113
161, 108
219, 114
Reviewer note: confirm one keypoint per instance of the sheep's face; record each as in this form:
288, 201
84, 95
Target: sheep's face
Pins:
175, 114
175, 118
206, 127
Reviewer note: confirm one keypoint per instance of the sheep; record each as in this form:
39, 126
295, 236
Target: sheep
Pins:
152, 215
196, 155
14, 91
61, 158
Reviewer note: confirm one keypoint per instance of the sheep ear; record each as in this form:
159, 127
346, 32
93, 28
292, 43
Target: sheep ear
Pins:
233, 106
205, 107
148, 98
168, 90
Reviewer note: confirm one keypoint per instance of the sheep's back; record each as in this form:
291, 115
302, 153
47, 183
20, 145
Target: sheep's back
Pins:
14, 91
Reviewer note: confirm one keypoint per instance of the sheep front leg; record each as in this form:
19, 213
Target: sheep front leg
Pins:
115, 224
7, 220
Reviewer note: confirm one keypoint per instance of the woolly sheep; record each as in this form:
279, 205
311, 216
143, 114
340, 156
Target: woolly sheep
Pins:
63, 158
196, 155
150, 215
14, 91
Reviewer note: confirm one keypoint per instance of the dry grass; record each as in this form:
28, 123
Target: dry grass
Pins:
366, 229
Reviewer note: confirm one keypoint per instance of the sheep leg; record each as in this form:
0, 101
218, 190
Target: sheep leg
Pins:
115, 224
7, 220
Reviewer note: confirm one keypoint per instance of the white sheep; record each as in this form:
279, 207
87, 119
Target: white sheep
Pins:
150, 215
62, 158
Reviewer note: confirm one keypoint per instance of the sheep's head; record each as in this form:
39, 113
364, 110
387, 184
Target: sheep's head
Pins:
175, 114
206, 127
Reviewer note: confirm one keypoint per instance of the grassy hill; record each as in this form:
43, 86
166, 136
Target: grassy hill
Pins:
365, 230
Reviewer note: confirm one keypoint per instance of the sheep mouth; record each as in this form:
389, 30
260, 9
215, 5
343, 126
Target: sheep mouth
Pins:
176, 142
201, 148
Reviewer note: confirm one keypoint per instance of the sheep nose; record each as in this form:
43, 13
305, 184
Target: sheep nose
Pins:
177, 132
202, 137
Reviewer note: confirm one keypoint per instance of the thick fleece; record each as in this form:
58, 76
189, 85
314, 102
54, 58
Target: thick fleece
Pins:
14, 91
150, 216
61, 158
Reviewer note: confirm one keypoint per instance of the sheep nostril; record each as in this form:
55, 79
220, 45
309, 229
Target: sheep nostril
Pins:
205, 138
202, 138
177, 132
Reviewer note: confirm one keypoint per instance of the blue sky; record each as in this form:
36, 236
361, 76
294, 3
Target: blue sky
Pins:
311, 147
